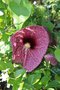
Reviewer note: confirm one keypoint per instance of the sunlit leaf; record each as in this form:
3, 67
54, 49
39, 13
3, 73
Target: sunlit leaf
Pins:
57, 54
20, 7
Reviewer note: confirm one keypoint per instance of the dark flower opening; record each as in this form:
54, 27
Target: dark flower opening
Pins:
31, 41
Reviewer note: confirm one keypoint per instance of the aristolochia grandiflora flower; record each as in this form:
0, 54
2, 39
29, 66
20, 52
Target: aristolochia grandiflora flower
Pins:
29, 46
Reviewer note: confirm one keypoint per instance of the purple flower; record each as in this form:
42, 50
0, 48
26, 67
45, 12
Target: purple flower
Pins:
51, 58
29, 46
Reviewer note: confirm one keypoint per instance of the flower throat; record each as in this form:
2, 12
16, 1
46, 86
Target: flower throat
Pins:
29, 42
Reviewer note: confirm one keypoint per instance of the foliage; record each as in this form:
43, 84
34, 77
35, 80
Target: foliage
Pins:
16, 14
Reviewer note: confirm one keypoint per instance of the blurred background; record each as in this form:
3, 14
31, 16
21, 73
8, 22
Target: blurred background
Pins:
15, 15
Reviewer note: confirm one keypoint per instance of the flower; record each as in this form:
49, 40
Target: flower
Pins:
29, 46
51, 58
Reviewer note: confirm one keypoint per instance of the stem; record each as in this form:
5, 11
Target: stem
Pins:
24, 62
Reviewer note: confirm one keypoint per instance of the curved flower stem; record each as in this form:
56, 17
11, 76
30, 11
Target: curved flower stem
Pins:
26, 51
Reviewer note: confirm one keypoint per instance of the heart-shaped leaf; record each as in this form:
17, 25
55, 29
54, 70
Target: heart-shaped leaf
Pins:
20, 7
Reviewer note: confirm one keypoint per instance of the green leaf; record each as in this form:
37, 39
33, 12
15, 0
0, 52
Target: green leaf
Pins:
54, 84
5, 37
2, 5
41, 10
6, 65
19, 73
1, 65
50, 89
56, 70
13, 82
20, 7
57, 54
20, 11
57, 77
15, 87
44, 81
48, 24
32, 79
